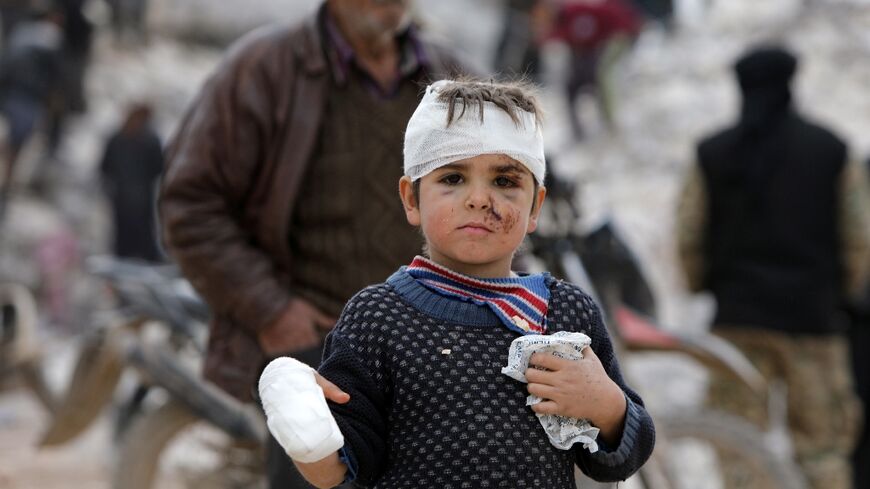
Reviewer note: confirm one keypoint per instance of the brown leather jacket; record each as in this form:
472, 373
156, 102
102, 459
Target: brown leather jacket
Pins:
233, 171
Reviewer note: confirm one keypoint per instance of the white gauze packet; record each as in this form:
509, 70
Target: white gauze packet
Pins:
296, 411
562, 431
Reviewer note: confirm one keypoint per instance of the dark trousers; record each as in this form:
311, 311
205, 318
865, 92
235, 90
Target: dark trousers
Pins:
860, 343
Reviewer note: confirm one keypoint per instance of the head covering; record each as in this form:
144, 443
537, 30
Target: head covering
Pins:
765, 66
430, 143
764, 74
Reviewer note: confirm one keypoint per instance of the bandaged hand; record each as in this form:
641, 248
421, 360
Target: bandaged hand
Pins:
294, 400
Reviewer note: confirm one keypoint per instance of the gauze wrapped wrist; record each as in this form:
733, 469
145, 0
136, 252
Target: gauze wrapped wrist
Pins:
296, 411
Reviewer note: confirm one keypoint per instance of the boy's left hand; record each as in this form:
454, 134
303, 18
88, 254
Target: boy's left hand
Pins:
577, 389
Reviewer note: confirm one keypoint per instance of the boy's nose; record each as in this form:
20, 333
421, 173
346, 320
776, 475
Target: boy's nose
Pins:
478, 199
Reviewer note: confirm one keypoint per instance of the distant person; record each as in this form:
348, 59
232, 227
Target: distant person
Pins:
30, 68
76, 53
773, 221
78, 33
517, 54
278, 200
131, 165
597, 32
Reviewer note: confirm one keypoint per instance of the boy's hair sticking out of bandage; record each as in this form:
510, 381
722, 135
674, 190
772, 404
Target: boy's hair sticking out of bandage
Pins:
509, 97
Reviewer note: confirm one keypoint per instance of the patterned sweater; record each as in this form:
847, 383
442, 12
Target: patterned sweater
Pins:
430, 407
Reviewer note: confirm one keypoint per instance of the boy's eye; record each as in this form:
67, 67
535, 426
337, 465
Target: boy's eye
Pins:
451, 179
503, 181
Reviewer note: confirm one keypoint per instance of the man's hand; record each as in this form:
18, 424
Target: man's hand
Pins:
298, 328
577, 389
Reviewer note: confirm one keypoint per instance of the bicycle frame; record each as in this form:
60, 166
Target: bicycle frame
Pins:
105, 356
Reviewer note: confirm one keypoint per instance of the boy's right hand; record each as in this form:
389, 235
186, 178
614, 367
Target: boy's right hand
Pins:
298, 328
293, 397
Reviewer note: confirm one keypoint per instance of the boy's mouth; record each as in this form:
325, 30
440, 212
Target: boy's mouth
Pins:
476, 227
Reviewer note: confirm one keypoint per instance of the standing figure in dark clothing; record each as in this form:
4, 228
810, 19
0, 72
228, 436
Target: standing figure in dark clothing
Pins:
597, 32
517, 50
29, 69
278, 200
76, 52
773, 221
131, 166
78, 37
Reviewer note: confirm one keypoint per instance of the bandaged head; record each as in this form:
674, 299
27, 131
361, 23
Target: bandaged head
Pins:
430, 142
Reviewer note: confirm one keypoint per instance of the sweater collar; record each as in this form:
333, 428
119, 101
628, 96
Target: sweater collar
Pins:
520, 303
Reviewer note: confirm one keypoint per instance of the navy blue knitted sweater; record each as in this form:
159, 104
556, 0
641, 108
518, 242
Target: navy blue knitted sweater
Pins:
423, 417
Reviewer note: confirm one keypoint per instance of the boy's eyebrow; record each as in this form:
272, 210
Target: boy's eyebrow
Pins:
455, 166
511, 168
517, 168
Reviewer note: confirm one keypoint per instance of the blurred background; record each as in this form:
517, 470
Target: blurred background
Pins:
106, 68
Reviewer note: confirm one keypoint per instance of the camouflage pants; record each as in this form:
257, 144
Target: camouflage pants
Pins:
823, 410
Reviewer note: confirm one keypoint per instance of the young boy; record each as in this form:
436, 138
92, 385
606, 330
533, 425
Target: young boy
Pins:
415, 363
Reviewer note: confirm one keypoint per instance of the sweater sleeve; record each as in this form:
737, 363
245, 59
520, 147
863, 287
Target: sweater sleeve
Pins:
691, 228
352, 361
616, 463
854, 223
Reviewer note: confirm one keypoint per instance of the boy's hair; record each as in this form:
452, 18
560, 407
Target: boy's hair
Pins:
508, 96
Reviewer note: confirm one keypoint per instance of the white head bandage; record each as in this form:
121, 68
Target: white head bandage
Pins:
431, 144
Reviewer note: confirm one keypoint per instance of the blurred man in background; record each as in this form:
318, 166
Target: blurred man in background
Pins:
30, 68
131, 165
279, 198
773, 221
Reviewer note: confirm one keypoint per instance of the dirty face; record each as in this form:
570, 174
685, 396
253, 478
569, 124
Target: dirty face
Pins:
474, 213
372, 18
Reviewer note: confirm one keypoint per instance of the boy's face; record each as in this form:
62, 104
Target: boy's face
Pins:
475, 213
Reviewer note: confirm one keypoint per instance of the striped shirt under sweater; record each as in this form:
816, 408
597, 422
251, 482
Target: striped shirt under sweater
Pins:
430, 407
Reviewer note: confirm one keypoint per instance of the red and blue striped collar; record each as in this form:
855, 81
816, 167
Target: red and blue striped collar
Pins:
519, 302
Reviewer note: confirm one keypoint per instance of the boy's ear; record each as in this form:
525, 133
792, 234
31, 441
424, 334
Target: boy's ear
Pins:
409, 200
540, 195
